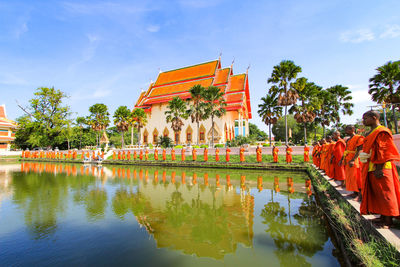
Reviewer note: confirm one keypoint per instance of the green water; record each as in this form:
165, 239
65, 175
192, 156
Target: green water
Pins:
63, 215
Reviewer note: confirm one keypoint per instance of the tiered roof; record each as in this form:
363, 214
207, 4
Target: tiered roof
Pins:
178, 82
6, 124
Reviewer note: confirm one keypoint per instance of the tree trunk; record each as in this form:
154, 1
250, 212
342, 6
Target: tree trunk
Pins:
286, 128
396, 128
315, 133
198, 134
270, 136
305, 134
323, 130
68, 142
212, 131
131, 135
139, 137
122, 140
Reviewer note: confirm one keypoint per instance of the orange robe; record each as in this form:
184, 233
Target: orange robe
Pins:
146, 154
338, 150
322, 155
141, 155
228, 154
289, 158
194, 154
306, 154
275, 152
314, 155
259, 154
128, 156
380, 195
242, 155
205, 154
134, 155
330, 167
173, 154
183, 156
119, 155
217, 154
353, 174
155, 154
164, 154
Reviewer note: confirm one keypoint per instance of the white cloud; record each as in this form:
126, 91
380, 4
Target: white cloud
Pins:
392, 31
11, 79
360, 96
99, 93
153, 28
358, 36
199, 3
20, 30
102, 8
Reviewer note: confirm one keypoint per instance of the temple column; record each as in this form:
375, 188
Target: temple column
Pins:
247, 127
240, 124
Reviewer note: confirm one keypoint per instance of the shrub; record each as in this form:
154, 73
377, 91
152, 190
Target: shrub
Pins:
204, 146
219, 145
279, 143
151, 146
164, 141
195, 146
179, 146
265, 145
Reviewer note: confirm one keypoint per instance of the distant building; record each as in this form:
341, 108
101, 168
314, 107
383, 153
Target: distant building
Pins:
7, 128
170, 84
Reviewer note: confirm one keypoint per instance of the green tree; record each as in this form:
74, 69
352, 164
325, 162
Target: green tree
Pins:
384, 87
215, 106
281, 76
164, 141
256, 134
80, 122
122, 118
176, 110
269, 111
279, 129
139, 119
197, 108
98, 119
341, 102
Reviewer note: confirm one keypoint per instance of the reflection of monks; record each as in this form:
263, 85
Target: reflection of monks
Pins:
146, 154
205, 154
146, 175
306, 153
351, 162
242, 181
275, 152
242, 154
338, 150
290, 185
194, 154
141, 174
259, 154
194, 180
156, 176
173, 154
217, 154
217, 177
183, 156
155, 154
228, 154
134, 174
228, 180
259, 183
164, 154
381, 187
308, 187
164, 176
173, 174
206, 179
183, 177
141, 154
276, 185
289, 151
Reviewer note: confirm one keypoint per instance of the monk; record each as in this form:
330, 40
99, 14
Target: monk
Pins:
228, 154
306, 153
164, 154
242, 154
324, 156
259, 154
289, 151
217, 154
329, 165
275, 152
381, 190
119, 155
141, 154
155, 154
114, 156
314, 153
183, 156
128, 155
173, 154
205, 154
134, 155
194, 154
146, 154
351, 162
337, 155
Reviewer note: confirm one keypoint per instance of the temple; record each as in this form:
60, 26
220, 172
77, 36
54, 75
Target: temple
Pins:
6, 129
170, 84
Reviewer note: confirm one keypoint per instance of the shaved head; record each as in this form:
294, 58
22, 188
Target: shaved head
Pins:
372, 113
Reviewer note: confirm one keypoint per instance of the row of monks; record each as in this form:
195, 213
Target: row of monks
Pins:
365, 165
70, 154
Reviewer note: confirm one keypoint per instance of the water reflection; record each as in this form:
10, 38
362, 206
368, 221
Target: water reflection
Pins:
207, 213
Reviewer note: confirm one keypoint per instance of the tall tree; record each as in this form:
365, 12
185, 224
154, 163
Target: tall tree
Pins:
139, 118
197, 108
269, 111
215, 106
176, 111
98, 119
341, 102
384, 87
326, 114
122, 117
281, 76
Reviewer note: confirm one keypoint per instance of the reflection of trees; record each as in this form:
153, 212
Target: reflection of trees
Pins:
124, 202
294, 240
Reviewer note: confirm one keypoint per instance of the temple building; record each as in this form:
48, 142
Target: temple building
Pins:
170, 84
6, 129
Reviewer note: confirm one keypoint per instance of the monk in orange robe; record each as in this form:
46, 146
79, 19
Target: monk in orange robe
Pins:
205, 154
134, 155
128, 155
329, 164
289, 151
306, 153
146, 154
275, 152
228, 154
381, 190
164, 154
155, 154
119, 155
326, 155
351, 162
183, 156
173, 154
123, 155
141, 154
194, 154
338, 151
259, 154
242, 154
217, 154
314, 153
321, 153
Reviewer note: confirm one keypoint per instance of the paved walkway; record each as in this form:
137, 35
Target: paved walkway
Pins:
392, 235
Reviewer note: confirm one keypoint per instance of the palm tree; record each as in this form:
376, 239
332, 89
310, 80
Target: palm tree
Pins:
215, 106
197, 109
269, 111
326, 114
176, 110
281, 76
80, 121
98, 119
341, 101
122, 117
384, 87
139, 119
309, 102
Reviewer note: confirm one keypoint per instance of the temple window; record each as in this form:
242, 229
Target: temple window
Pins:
201, 136
155, 137
189, 137
145, 138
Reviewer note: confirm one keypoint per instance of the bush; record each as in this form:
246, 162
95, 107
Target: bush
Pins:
219, 145
164, 141
196, 146
239, 141
266, 145
179, 146
279, 143
204, 146
151, 146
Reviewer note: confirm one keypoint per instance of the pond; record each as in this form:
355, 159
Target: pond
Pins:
53, 214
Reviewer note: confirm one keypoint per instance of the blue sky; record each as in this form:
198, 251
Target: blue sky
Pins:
107, 51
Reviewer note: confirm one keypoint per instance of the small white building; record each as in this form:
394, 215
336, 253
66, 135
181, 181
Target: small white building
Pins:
170, 84
6, 129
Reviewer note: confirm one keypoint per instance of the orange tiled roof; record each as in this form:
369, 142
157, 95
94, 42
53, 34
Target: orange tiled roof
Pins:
236, 97
221, 76
187, 73
7, 123
180, 87
2, 112
237, 82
